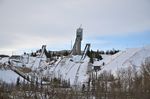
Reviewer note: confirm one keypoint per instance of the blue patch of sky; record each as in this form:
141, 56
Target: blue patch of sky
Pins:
121, 42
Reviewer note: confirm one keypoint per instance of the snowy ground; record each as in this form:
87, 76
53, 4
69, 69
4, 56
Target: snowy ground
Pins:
132, 57
4, 60
74, 69
8, 76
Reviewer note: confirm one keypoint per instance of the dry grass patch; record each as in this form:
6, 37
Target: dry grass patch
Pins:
24, 69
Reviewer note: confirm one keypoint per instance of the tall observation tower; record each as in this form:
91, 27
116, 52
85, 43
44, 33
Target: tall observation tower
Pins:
77, 44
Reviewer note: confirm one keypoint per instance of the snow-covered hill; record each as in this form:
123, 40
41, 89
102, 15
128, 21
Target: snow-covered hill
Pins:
75, 69
9, 76
132, 57
72, 68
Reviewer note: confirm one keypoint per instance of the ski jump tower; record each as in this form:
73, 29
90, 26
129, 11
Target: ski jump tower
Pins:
77, 45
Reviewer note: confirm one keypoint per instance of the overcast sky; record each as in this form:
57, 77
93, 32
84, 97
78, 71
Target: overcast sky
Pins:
107, 24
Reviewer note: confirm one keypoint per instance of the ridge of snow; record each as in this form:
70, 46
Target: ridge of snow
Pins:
133, 57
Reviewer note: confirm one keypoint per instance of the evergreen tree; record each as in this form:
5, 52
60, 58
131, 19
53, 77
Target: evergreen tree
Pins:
91, 60
33, 54
53, 54
88, 53
18, 81
46, 53
98, 56
102, 52
107, 52
66, 53
111, 52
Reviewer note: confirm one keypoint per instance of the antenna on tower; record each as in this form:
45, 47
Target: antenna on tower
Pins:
80, 25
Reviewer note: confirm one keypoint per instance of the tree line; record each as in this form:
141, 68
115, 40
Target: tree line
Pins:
125, 84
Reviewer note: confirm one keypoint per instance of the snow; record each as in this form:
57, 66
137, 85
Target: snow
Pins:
74, 68
8, 76
132, 57
4, 60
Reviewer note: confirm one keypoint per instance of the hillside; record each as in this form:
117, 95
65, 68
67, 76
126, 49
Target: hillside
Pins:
131, 57
73, 68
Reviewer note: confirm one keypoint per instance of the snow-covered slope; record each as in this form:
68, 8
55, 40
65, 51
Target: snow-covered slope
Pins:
4, 60
75, 69
72, 68
9, 76
132, 57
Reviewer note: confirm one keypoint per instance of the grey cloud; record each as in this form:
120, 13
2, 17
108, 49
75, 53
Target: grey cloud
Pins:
7, 40
51, 20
